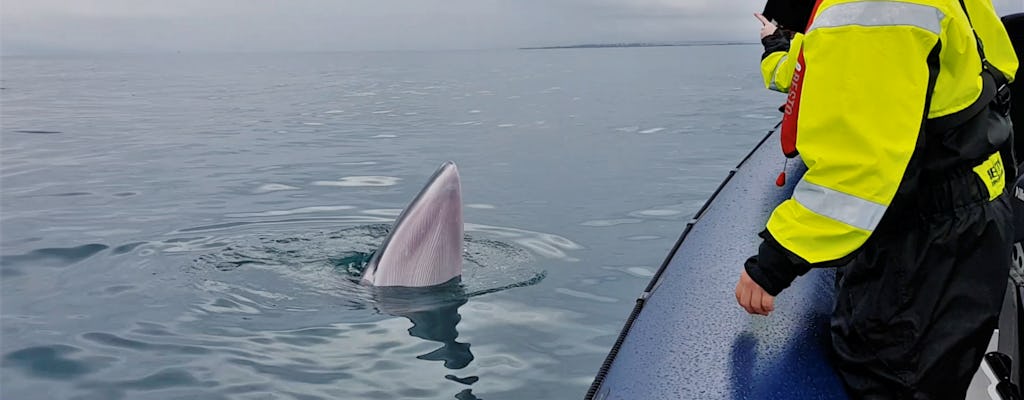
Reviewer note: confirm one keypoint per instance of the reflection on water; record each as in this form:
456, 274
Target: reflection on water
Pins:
434, 313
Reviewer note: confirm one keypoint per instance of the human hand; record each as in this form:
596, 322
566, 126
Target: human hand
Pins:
767, 27
752, 297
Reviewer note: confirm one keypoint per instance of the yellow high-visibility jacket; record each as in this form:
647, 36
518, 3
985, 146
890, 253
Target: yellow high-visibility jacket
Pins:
858, 82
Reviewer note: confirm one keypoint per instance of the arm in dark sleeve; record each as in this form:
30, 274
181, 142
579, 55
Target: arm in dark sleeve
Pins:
777, 41
774, 267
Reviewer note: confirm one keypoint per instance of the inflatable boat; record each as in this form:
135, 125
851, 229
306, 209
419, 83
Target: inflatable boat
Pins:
688, 339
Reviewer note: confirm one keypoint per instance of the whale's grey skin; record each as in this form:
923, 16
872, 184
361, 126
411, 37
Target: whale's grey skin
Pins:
424, 247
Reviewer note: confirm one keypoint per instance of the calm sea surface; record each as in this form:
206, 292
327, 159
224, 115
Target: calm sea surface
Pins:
192, 226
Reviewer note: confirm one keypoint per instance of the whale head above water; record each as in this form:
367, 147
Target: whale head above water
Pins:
424, 247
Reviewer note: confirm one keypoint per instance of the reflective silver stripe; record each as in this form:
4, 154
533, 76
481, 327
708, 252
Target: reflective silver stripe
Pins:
842, 207
880, 13
775, 73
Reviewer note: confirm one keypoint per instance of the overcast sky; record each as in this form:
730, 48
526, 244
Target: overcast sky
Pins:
31, 26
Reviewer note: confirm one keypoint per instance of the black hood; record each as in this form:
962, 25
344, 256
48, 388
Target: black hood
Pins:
791, 15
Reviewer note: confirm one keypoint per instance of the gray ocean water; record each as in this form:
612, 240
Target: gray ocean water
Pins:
192, 226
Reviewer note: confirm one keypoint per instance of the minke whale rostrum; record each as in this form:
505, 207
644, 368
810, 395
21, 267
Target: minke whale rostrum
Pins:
424, 247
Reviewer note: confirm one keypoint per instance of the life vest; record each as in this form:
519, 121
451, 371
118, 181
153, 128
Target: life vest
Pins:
885, 95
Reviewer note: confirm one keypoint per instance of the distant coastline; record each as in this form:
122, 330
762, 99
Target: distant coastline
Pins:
637, 44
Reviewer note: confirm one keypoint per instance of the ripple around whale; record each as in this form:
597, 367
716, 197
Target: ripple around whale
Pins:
331, 263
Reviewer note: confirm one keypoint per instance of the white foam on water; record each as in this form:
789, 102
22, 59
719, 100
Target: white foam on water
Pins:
274, 187
334, 112
474, 111
387, 212
313, 123
640, 272
506, 125
481, 206
638, 238
652, 130
611, 222
656, 213
384, 136
358, 181
384, 112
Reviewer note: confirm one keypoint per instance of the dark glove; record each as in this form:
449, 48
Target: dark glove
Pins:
777, 41
774, 268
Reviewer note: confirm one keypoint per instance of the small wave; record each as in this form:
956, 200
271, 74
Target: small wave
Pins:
53, 257
337, 220
640, 272
586, 296
59, 362
611, 222
277, 213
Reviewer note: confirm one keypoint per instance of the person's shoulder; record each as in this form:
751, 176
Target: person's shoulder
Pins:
942, 5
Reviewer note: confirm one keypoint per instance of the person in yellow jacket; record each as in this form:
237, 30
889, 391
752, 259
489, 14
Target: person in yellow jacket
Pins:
899, 110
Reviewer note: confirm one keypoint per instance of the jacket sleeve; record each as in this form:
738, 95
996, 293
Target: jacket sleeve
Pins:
859, 104
778, 60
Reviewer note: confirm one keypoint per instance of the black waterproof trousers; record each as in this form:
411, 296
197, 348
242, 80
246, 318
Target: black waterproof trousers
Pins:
917, 307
